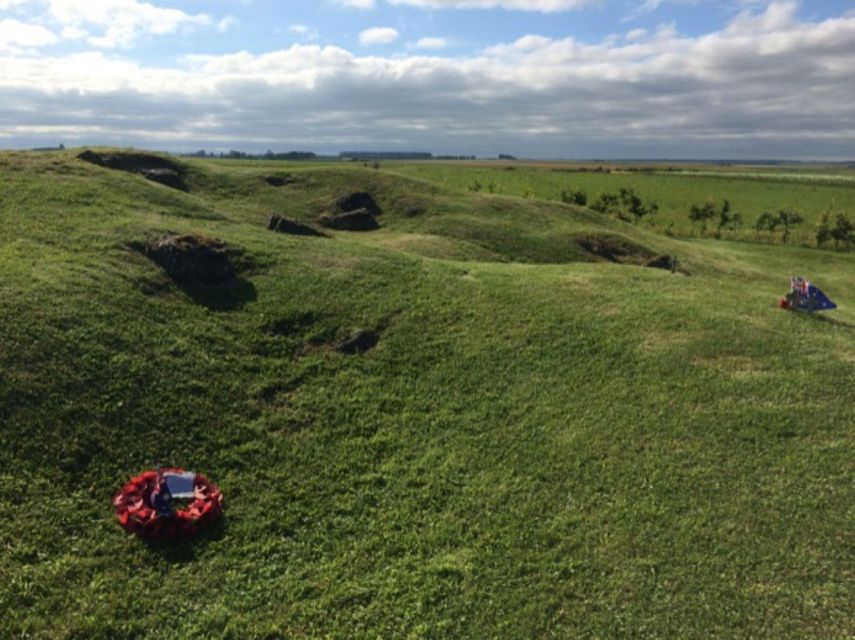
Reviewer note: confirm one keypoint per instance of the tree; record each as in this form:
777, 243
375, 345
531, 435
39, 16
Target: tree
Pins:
727, 219
574, 197
843, 231
822, 230
702, 213
607, 203
789, 219
766, 222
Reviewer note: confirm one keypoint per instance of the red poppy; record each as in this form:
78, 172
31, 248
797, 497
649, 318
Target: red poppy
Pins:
136, 515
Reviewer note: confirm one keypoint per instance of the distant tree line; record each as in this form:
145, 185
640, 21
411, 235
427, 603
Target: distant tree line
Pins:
362, 156
241, 155
831, 228
626, 204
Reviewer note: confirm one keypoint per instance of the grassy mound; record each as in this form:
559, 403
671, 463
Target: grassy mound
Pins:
459, 425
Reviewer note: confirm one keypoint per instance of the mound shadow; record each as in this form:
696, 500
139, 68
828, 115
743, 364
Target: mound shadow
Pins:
206, 269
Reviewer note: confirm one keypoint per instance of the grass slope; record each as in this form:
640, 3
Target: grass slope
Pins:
540, 446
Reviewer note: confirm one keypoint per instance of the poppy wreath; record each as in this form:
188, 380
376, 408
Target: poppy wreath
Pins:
135, 511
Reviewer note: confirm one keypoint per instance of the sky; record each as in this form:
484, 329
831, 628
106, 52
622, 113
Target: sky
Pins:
574, 79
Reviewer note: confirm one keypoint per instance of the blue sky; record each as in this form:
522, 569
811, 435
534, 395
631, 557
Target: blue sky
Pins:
558, 78
265, 25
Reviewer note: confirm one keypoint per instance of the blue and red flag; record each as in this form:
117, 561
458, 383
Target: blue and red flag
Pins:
805, 296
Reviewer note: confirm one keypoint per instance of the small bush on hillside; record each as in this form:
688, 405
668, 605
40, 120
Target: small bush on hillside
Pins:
822, 230
789, 219
766, 222
626, 204
843, 231
727, 219
607, 203
574, 197
702, 213
475, 187
635, 206
786, 219
529, 194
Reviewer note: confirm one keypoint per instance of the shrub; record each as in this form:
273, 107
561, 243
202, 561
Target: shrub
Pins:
475, 187
607, 203
843, 231
702, 213
789, 219
822, 230
574, 197
766, 222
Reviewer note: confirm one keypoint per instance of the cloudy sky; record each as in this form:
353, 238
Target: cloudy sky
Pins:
537, 78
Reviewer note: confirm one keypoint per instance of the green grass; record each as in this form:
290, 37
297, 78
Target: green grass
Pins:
751, 192
540, 446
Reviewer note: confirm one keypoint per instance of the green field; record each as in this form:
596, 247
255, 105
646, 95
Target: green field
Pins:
751, 190
543, 443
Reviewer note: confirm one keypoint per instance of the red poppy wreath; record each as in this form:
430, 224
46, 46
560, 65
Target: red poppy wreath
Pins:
145, 505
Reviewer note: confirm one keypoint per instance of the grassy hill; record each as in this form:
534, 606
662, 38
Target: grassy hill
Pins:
542, 444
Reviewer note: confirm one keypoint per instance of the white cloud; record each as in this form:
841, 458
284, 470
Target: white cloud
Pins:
15, 35
304, 32
542, 6
378, 35
432, 43
227, 23
768, 84
356, 4
118, 22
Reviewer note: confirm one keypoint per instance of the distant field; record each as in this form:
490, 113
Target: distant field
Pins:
751, 190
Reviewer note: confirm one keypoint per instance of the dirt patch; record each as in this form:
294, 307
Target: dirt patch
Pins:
357, 201
360, 220
279, 181
360, 341
614, 249
662, 262
191, 259
166, 177
151, 167
281, 224
621, 251
357, 342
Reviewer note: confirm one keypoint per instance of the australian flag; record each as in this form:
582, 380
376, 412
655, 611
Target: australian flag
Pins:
804, 296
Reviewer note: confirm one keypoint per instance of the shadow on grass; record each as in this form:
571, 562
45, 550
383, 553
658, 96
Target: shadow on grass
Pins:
834, 322
226, 297
184, 551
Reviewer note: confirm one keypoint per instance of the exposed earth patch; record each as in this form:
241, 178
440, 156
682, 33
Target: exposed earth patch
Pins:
360, 220
621, 251
191, 259
357, 201
281, 224
149, 166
